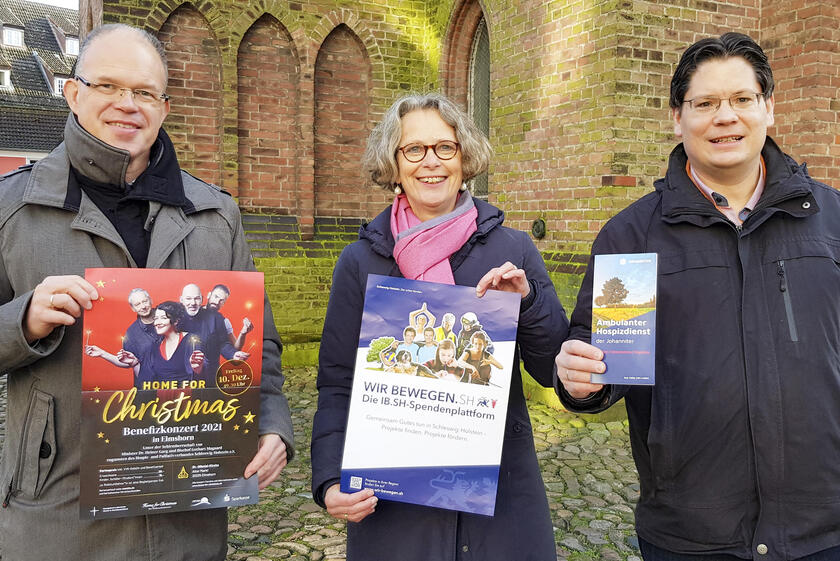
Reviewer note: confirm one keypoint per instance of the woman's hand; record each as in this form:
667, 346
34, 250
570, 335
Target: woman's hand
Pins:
576, 361
94, 351
508, 278
350, 507
127, 358
197, 361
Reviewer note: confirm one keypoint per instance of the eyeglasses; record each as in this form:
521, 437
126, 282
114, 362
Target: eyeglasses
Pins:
415, 152
741, 101
113, 91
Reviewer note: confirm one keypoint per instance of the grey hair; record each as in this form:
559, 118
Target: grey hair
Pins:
380, 159
153, 41
139, 291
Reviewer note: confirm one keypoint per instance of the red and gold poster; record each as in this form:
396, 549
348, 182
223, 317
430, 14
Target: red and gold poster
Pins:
171, 365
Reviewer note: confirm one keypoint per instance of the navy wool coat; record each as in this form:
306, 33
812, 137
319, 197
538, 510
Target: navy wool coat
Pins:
521, 528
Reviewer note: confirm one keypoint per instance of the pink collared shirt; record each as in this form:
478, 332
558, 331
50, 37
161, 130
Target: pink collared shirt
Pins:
720, 202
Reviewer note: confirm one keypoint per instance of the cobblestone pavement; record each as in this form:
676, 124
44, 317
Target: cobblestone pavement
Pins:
587, 468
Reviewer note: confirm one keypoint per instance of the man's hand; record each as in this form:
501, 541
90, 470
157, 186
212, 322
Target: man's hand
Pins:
57, 301
350, 507
241, 355
508, 278
247, 326
269, 460
576, 361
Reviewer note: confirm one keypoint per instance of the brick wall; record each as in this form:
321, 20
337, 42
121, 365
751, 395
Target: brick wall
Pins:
298, 272
273, 99
267, 87
195, 84
457, 46
342, 96
801, 39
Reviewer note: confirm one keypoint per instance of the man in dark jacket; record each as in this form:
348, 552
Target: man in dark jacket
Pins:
737, 444
141, 332
209, 326
111, 195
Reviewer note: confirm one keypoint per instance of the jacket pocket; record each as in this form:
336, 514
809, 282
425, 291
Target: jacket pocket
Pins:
37, 446
803, 303
784, 288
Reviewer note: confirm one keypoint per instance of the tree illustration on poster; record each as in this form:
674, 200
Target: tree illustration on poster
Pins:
612, 293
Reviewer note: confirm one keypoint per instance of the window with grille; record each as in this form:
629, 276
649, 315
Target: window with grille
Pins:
58, 89
479, 95
5, 79
71, 46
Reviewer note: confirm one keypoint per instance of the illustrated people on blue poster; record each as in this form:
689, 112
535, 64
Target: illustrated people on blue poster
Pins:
178, 357
407, 344
470, 325
421, 319
477, 355
446, 367
444, 331
428, 347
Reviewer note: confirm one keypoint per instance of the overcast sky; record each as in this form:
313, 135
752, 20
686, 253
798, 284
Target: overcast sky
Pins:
63, 3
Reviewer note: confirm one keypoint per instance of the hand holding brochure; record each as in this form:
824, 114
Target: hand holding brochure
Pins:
430, 393
624, 317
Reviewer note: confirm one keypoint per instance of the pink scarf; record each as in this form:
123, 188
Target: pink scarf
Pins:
422, 249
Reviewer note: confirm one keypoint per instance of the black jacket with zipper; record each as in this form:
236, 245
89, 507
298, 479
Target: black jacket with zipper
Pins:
738, 443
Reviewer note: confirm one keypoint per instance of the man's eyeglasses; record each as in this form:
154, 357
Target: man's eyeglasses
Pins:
415, 152
113, 91
741, 101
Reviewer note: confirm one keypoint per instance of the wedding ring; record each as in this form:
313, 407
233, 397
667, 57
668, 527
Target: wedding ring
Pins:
51, 300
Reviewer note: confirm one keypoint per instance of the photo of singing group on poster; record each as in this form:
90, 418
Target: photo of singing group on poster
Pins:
170, 390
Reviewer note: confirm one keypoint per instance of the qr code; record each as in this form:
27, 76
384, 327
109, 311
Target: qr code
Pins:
355, 482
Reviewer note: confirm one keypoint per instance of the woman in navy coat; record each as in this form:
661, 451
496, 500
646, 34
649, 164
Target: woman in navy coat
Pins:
425, 149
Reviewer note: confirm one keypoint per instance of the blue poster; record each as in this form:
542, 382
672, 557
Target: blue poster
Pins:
430, 393
624, 317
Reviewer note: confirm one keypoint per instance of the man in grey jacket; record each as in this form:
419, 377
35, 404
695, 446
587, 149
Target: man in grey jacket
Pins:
111, 195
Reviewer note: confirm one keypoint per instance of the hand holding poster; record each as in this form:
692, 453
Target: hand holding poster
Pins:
624, 317
170, 391
429, 401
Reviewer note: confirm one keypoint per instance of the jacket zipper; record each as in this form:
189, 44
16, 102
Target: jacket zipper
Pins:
783, 288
